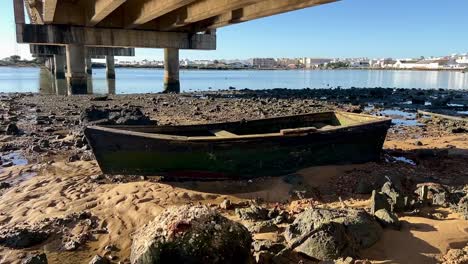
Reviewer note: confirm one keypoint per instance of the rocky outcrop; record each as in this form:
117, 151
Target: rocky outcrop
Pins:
191, 234
115, 116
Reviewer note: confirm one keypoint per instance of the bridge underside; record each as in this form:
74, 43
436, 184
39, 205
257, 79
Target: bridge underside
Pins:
168, 24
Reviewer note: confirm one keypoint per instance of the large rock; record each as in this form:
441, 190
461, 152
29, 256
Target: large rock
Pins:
398, 201
254, 212
361, 231
191, 234
388, 219
22, 237
329, 241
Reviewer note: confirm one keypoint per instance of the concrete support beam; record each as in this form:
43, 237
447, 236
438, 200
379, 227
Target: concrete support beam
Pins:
59, 66
97, 10
171, 71
18, 7
107, 37
258, 10
49, 11
110, 67
143, 11
199, 11
89, 64
76, 74
42, 50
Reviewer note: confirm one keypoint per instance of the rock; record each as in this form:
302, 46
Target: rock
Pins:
191, 234
268, 245
35, 259
398, 201
329, 241
121, 116
7, 164
262, 227
4, 185
21, 237
362, 229
73, 158
456, 256
12, 129
226, 204
36, 148
254, 212
364, 187
71, 245
462, 207
44, 143
388, 219
263, 257
99, 260
379, 201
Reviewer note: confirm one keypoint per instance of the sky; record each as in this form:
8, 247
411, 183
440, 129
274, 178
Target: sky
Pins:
349, 28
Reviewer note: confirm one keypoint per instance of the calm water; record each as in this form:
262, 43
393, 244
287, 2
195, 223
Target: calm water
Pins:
150, 80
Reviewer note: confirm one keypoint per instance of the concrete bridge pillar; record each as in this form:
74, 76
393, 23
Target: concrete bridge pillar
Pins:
89, 65
110, 67
59, 66
171, 70
76, 72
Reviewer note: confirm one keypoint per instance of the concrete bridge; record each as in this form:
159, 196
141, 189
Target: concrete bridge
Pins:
78, 25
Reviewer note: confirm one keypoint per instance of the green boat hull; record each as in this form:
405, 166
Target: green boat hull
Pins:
207, 158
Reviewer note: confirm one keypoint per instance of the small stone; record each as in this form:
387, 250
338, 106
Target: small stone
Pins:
7, 164
388, 219
379, 201
71, 245
35, 259
12, 129
4, 185
36, 148
364, 187
73, 158
99, 260
226, 204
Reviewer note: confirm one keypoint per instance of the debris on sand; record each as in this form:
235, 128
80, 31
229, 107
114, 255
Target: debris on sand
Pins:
191, 234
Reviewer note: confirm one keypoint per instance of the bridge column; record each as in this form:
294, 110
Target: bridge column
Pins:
89, 65
110, 67
76, 72
171, 70
59, 66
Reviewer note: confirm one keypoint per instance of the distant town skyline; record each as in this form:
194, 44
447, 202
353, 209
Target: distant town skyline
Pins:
345, 29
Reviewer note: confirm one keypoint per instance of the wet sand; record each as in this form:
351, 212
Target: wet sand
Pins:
49, 185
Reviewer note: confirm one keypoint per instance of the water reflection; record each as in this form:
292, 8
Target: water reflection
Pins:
151, 80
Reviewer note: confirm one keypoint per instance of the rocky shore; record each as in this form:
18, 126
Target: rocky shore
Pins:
57, 207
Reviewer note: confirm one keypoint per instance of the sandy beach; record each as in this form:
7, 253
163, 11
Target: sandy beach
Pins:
59, 178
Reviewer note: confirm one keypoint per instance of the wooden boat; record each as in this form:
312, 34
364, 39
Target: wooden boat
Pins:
244, 149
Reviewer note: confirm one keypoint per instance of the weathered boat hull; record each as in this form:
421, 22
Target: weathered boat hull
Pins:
243, 157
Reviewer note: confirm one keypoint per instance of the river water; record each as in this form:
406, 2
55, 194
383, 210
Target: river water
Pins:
151, 80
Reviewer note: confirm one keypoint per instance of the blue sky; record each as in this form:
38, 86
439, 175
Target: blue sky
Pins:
350, 28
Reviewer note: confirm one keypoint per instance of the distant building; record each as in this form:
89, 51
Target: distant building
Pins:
264, 63
310, 63
286, 62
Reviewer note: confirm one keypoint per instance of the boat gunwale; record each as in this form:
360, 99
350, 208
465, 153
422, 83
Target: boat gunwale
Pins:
124, 132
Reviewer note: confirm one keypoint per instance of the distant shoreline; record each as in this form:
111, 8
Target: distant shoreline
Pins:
101, 66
